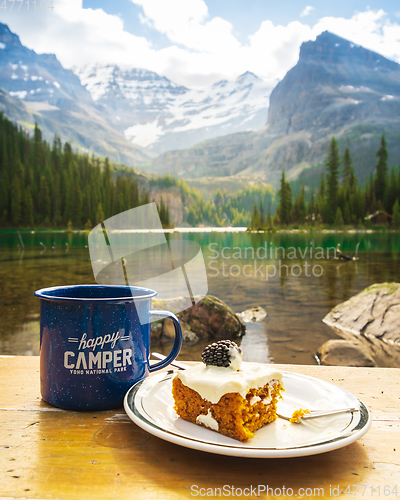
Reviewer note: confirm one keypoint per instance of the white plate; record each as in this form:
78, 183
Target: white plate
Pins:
150, 405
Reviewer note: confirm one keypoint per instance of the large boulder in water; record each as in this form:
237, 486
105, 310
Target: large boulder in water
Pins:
371, 319
210, 318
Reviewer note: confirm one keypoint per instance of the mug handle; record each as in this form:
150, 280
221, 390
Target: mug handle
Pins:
177, 343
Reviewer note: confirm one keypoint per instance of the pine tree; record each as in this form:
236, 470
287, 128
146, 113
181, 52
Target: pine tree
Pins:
398, 176
285, 203
135, 194
191, 216
332, 164
69, 201
391, 192
321, 190
276, 220
167, 217
302, 205
106, 182
339, 218
16, 200
373, 205
218, 198
269, 218
255, 217
348, 169
4, 195
346, 214
37, 152
28, 208
320, 204
396, 215
99, 214
55, 198
163, 211
44, 200
262, 215
381, 170
77, 217
144, 197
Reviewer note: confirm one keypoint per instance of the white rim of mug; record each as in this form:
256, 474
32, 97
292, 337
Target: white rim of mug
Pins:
150, 294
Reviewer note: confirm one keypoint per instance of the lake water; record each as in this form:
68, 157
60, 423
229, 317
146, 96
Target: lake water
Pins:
293, 276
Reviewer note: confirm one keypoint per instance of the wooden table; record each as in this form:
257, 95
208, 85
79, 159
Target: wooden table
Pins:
50, 453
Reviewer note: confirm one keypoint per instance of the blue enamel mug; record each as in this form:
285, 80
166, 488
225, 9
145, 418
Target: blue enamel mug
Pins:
95, 344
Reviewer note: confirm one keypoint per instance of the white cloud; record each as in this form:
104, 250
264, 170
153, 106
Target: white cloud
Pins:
307, 11
277, 47
202, 49
371, 29
184, 22
77, 35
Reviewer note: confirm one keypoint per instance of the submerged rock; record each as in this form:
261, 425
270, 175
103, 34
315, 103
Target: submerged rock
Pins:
253, 315
371, 320
168, 331
338, 352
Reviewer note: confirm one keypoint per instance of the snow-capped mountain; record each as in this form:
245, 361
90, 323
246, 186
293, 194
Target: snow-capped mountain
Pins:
37, 88
337, 89
160, 115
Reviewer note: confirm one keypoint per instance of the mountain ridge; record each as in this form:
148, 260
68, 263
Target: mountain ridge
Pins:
333, 90
128, 114
37, 88
160, 115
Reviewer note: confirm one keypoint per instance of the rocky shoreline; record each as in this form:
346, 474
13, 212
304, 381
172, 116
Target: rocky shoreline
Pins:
369, 327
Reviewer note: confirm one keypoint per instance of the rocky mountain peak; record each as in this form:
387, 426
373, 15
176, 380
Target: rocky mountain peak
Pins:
338, 89
7, 38
334, 83
331, 48
161, 115
248, 75
37, 88
37, 77
108, 82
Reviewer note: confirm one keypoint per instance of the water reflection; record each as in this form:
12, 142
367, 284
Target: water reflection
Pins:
295, 302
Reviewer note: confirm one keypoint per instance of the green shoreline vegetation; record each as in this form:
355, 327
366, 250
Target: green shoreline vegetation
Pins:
54, 187
338, 203
223, 209
47, 186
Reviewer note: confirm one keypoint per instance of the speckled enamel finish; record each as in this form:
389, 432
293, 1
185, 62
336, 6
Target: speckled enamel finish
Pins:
93, 347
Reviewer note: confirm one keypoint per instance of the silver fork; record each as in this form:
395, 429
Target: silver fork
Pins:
306, 416
316, 414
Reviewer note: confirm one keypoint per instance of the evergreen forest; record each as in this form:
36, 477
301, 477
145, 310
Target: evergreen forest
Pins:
339, 200
43, 185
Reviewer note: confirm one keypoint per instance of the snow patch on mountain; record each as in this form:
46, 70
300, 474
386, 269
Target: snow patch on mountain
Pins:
131, 84
160, 115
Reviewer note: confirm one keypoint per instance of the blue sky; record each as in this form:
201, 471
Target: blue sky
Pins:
246, 17
198, 42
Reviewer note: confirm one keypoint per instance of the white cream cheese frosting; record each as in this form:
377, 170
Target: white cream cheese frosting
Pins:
254, 400
235, 357
208, 421
213, 382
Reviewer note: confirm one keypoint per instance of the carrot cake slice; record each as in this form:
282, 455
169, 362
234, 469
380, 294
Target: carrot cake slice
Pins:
226, 395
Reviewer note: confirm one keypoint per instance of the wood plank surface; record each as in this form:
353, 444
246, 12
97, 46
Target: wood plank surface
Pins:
46, 453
